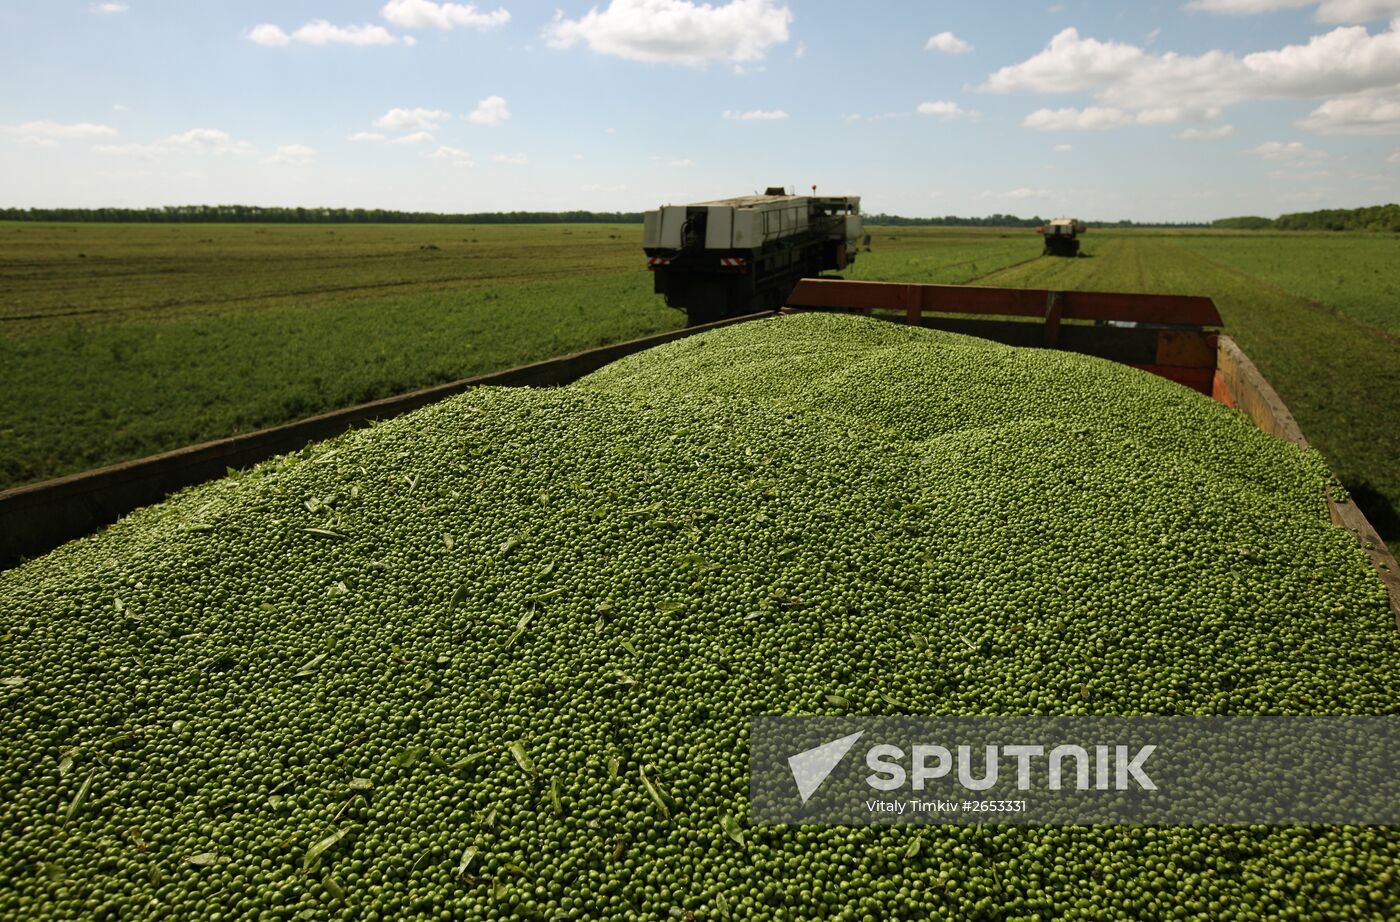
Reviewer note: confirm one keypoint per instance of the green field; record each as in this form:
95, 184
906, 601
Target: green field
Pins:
125, 340
121, 340
1356, 274
942, 256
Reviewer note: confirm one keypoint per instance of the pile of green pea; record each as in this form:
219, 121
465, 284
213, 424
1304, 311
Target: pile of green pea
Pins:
497, 658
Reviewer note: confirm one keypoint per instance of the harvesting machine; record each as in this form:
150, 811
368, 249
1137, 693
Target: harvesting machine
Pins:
1062, 236
740, 255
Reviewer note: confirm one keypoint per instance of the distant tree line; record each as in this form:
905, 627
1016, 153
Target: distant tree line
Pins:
1244, 222
996, 220
253, 214
1003, 220
1374, 218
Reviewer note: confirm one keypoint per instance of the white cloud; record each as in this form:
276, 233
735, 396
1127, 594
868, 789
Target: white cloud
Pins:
1167, 115
943, 109
1244, 7
1293, 152
38, 142
1374, 112
756, 115
424, 14
110, 8
512, 159
1293, 175
680, 163
1097, 118
367, 136
1094, 118
948, 43
1125, 77
194, 141
144, 151
1327, 10
490, 111
293, 153
418, 137
1357, 10
1063, 148
676, 31
47, 130
207, 141
320, 32
878, 117
268, 35
412, 119
1068, 64
1019, 194
118, 107
456, 155
1207, 134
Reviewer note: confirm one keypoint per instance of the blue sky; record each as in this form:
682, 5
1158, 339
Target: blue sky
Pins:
1182, 110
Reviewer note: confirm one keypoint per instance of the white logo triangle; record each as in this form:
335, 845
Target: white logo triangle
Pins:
811, 768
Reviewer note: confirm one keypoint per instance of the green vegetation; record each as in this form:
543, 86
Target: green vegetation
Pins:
496, 658
940, 256
995, 220
1247, 222
258, 214
999, 220
125, 340
1374, 218
1358, 275
1339, 376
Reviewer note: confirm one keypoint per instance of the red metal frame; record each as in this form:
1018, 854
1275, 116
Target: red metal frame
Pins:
1186, 325
914, 300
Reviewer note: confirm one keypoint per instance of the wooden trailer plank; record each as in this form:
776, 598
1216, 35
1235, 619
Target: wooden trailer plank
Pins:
1198, 379
1186, 349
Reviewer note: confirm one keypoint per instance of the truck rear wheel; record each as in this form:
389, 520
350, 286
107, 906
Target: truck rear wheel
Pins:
707, 300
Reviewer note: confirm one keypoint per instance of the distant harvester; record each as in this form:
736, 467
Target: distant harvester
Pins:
1062, 236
